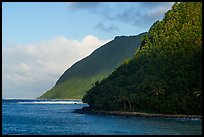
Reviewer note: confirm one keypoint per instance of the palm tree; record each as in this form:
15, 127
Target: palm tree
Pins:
123, 97
95, 84
158, 90
198, 93
124, 100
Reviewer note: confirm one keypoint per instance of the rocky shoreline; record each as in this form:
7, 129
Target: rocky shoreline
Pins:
87, 110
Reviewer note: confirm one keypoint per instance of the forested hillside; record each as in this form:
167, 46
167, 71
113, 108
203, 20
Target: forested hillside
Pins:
165, 74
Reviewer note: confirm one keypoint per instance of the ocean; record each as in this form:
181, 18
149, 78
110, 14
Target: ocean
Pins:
56, 117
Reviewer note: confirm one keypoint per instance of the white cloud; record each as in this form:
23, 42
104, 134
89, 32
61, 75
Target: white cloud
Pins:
29, 70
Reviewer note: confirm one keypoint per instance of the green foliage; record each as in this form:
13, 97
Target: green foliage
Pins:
165, 74
79, 78
73, 88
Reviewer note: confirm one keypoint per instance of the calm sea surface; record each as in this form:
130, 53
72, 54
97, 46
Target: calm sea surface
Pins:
56, 117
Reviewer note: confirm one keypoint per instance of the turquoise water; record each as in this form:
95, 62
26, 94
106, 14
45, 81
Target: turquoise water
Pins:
56, 117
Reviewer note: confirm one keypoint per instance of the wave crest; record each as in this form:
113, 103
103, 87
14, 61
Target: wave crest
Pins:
52, 102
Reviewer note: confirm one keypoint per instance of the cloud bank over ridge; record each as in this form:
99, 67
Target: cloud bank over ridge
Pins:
34, 68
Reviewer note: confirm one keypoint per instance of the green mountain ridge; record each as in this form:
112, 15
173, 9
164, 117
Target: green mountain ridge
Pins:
77, 79
165, 74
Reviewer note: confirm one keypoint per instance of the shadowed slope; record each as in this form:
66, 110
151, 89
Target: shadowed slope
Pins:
79, 77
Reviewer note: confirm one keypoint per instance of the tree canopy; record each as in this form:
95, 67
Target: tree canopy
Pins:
165, 74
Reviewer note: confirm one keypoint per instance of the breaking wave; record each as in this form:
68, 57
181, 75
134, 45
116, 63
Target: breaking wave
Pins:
51, 102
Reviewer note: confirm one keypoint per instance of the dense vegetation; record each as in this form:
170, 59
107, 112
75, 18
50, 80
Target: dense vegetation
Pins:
165, 74
78, 79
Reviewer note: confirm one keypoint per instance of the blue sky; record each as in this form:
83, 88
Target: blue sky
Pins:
41, 40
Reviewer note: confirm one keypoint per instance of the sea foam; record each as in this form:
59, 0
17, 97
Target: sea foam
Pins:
52, 102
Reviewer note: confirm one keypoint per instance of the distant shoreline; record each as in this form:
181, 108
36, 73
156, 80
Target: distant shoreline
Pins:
87, 110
